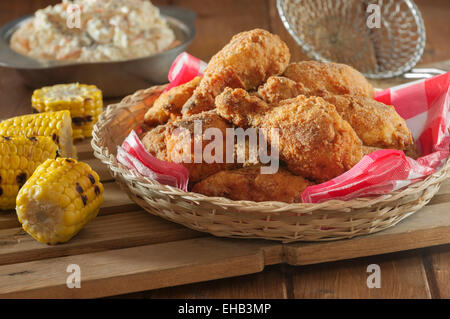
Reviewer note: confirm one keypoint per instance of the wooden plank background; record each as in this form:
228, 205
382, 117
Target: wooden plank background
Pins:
415, 274
125, 249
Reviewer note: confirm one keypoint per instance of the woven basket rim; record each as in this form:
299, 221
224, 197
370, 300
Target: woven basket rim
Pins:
108, 158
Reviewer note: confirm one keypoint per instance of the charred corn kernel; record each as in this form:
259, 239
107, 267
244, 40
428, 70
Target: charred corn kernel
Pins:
85, 103
55, 204
19, 157
56, 125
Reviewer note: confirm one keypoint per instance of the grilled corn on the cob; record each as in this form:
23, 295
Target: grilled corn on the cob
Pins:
19, 157
56, 125
84, 102
58, 200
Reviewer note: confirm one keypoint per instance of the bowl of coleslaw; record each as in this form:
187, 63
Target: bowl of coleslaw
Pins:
120, 50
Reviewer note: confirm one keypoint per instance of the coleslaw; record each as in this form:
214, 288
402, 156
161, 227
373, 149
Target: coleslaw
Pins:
94, 31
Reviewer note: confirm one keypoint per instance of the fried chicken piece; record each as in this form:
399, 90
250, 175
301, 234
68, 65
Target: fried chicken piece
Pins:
279, 88
369, 149
376, 124
174, 142
248, 60
314, 141
335, 78
155, 142
169, 104
249, 184
239, 107
180, 136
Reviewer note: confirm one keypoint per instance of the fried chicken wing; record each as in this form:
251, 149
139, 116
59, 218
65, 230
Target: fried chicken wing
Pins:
279, 88
169, 104
249, 184
376, 124
155, 142
180, 139
248, 60
313, 139
369, 149
239, 107
335, 78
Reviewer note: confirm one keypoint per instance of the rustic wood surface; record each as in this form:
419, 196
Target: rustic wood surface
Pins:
420, 273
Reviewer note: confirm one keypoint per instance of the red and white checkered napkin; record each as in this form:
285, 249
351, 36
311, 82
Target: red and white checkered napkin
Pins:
133, 155
425, 105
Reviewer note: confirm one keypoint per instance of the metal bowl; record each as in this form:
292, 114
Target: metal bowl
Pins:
113, 78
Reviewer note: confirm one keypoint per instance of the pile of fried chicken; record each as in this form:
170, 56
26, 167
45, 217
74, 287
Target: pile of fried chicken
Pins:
325, 114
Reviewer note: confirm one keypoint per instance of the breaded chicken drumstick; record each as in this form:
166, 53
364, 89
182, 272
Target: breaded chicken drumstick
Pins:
247, 61
334, 78
249, 184
314, 140
375, 123
174, 142
168, 105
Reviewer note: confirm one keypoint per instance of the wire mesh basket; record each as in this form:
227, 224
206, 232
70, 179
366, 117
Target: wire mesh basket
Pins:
382, 39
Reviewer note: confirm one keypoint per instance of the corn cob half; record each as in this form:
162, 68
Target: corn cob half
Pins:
19, 157
58, 200
56, 125
85, 103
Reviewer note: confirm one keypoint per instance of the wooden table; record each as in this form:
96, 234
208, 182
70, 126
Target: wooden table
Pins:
423, 273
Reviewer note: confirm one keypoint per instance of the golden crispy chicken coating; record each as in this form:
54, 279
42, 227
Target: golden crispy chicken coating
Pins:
239, 107
155, 142
376, 124
169, 104
320, 116
248, 60
314, 140
170, 142
279, 88
335, 78
181, 136
369, 149
249, 184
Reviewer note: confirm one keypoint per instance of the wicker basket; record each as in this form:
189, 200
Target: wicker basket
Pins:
329, 220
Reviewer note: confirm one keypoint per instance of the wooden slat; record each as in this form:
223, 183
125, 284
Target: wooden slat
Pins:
103, 233
8, 220
437, 263
445, 187
116, 201
268, 284
101, 169
402, 276
443, 195
134, 269
84, 149
217, 22
428, 227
